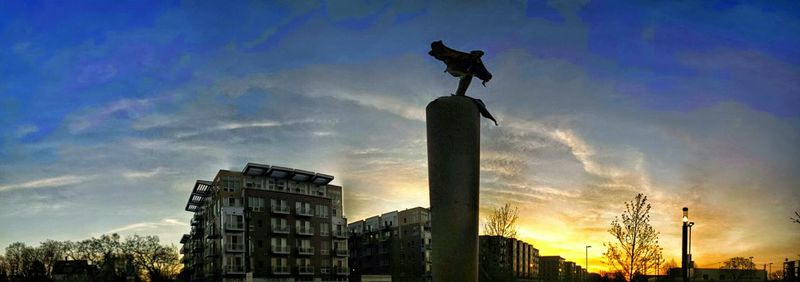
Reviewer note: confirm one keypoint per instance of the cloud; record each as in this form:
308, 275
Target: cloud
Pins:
58, 181
147, 226
147, 173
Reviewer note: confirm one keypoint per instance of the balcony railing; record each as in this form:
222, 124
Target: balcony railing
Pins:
305, 269
280, 209
234, 269
302, 230
280, 270
341, 270
339, 233
280, 249
325, 270
305, 251
235, 225
280, 229
231, 247
341, 252
305, 211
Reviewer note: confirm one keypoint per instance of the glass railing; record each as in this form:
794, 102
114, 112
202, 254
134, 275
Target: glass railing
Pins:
280, 229
280, 249
305, 230
280, 209
280, 270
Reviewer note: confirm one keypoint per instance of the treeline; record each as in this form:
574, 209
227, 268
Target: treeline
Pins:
111, 258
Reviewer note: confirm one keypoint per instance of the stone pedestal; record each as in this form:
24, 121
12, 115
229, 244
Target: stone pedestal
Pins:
453, 125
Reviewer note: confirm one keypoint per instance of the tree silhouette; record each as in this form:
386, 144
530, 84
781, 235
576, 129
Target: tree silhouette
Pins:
796, 220
738, 263
636, 245
502, 222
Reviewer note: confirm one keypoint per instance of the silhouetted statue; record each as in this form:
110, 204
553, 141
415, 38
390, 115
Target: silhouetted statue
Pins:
461, 65
464, 66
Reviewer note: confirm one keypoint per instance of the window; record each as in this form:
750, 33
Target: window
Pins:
256, 204
324, 229
324, 248
322, 211
230, 183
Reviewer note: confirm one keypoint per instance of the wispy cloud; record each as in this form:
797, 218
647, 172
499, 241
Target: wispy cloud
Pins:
147, 226
147, 173
64, 180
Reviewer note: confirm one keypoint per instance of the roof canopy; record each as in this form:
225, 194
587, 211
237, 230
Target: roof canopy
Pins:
254, 169
201, 190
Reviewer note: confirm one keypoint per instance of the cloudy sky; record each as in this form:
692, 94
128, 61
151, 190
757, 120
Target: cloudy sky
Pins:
109, 112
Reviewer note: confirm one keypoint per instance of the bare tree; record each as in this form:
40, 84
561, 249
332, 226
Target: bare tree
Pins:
159, 262
669, 265
636, 243
738, 263
796, 220
502, 222
739, 267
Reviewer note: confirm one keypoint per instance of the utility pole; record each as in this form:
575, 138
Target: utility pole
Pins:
587, 263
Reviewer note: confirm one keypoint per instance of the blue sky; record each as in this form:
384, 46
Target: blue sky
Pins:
111, 110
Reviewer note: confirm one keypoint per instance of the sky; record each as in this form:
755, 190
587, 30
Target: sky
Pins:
110, 110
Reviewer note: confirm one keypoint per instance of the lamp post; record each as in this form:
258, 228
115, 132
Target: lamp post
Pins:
689, 253
587, 263
684, 245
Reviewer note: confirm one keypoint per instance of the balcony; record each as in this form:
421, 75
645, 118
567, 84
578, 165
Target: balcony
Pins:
234, 226
213, 234
280, 229
280, 250
237, 248
339, 233
305, 211
280, 209
324, 270
305, 230
340, 252
305, 251
341, 270
234, 269
305, 270
281, 270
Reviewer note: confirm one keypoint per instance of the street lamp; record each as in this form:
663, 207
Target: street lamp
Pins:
691, 265
684, 245
587, 263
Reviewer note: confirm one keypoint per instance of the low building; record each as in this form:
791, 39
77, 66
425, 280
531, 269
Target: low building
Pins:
395, 245
720, 275
552, 268
507, 259
73, 270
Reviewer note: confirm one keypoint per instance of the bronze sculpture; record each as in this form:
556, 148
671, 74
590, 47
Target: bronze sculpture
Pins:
464, 66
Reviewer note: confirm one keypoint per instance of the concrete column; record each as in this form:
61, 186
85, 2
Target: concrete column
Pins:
453, 125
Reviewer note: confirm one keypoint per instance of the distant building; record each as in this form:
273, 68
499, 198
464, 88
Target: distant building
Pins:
791, 271
720, 275
507, 259
266, 223
393, 245
552, 269
73, 270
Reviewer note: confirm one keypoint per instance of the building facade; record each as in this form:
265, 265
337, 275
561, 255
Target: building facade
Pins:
552, 269
395, 244
507, 259
266, 223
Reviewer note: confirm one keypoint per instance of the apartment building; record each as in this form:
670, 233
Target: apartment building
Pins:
395, 244
266, 223
552, 269
507, 259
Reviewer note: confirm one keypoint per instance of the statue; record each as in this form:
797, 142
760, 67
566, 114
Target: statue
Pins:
464, 66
